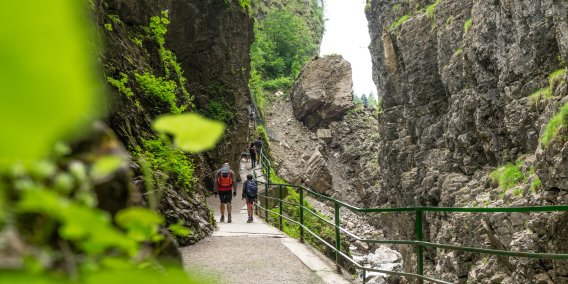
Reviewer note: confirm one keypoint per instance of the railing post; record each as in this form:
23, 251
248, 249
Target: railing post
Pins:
337, 235
280, 206
266, 187
419, 247
364, 276
301, 214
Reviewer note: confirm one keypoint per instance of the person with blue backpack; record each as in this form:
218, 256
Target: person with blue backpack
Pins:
250, 192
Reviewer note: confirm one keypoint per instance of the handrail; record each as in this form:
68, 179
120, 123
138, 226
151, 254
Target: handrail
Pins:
419, 243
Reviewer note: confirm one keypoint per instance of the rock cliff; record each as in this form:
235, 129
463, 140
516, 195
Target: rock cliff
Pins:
166, 57
468, 90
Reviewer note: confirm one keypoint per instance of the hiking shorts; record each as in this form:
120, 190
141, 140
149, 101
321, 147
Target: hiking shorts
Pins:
250, 200
225, 196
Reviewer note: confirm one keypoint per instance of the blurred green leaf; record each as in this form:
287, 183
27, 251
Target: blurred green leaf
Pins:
179, 229
142, 223
49, 87
192, 132
105, 166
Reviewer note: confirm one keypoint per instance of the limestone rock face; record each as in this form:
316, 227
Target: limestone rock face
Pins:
317, 174
323, 91
458, 86
211, 41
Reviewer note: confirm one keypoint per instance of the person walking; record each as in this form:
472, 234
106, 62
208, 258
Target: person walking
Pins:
258, 145
250, 192
224, 184
252, 152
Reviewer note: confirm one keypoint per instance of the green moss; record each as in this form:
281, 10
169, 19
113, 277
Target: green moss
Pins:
458, 51
108, 27
431, 9
121, 85
166, 163
556, 76
399, 22
554, 125
467, 26
508, 175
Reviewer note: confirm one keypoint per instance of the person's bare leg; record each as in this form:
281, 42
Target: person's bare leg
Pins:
229, 207
222, 207
249, 208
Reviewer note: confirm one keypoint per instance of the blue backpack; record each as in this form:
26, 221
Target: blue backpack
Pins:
252, 189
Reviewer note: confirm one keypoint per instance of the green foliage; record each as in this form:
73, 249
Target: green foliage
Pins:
278, 83
156, 31
121, 84
261, 131
192, 133
179, 229
380, 105
160, 158
165, 90
48, 89
467, 26
141, 223
399, 22
108, 27
218, 110
508, 175
557, 122
105, 166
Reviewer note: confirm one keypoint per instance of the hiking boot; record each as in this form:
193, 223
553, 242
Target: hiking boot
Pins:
229, 218
223, 218
249, 219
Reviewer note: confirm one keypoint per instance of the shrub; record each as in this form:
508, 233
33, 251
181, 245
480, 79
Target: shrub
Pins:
535, 185
278, 83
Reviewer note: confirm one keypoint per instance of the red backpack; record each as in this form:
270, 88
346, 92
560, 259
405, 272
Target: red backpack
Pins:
225, 179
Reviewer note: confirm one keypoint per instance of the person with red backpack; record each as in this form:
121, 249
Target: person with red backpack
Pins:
225, 186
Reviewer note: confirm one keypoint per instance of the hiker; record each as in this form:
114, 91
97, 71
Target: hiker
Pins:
250, 191
224, 183
258, 145
252, 152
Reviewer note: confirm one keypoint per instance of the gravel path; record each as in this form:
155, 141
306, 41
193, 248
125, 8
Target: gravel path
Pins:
254, 253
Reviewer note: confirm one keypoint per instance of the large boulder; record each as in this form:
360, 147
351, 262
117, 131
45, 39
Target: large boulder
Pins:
323, 92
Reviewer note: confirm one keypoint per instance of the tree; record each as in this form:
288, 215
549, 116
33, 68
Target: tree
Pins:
364, 100
372, 100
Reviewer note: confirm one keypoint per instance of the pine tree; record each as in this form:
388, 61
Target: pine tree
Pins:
364, 100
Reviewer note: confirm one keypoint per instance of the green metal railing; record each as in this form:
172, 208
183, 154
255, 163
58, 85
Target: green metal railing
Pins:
418, 242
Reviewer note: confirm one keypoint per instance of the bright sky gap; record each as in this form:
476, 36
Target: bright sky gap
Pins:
346, 33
